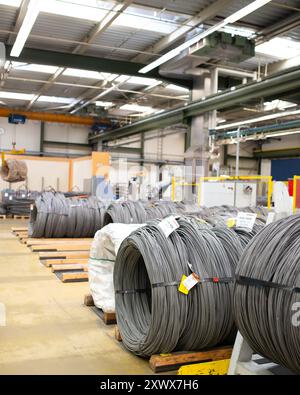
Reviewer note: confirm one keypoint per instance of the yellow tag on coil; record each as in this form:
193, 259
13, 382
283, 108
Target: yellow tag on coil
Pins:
231, 222
182, 288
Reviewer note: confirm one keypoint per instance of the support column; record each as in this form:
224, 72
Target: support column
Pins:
42, 137
197, 155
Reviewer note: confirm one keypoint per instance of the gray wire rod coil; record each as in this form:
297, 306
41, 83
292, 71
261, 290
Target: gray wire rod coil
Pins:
153, 316
138, 212
55, 216
268, 275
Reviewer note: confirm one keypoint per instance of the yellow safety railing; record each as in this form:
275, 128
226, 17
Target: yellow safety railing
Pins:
175, 184
295, 192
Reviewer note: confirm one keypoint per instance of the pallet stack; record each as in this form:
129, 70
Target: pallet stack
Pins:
108, 317
66, 258
214, 361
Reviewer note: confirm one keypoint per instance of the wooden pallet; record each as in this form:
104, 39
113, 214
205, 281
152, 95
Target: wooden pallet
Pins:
20, 217
19, 229
118, 336
71, 261
3, 216
74, 277
33, 241
61, 247
172, 361
69, 267
64, 255
108, 317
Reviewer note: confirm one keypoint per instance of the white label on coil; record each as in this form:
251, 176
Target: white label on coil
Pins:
31, 207
246, 220
10, 198
191, 281
270, 218
6, 194
168, 225
23, 195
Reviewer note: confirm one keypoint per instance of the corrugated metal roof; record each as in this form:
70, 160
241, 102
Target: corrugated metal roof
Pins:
7, 19
264, 16
129, 38
64, 91
116, 37
59, 27
190, 7
294, 34
22, 86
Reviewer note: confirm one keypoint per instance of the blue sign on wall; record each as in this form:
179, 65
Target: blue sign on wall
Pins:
283, 169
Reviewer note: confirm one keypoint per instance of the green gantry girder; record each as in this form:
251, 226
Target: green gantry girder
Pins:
92, 63
273, 85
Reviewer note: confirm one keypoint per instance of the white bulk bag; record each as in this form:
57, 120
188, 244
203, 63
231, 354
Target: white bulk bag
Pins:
103, 253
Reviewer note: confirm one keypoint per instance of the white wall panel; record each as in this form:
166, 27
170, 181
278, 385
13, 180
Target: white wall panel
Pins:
81, 170
27, 136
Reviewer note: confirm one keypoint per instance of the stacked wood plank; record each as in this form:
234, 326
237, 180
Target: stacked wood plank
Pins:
66, 258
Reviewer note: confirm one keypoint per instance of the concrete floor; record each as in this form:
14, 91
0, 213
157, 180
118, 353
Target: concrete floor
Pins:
48, 329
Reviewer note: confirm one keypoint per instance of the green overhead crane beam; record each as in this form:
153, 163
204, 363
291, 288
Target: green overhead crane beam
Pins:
92, 63
275, 84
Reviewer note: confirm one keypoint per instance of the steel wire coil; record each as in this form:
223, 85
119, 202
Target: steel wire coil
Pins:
267, 293
139, 212
153, 316
55, 216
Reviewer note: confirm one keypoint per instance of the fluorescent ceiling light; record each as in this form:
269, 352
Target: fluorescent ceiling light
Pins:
55, 99
16, 96
143, 81
38, 68
95, 75
280, 48
89, 74
282, 133
177, 88
258, 119
278, 104
137, 108
239, 31
137, 80
32, 13
105, 104
231, 19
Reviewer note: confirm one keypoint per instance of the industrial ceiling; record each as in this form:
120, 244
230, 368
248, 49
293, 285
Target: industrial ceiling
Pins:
129, 33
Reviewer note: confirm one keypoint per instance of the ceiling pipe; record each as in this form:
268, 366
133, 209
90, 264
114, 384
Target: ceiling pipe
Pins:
50, 117
236, 73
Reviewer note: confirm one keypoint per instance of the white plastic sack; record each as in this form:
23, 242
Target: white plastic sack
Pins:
103, 253
283, 204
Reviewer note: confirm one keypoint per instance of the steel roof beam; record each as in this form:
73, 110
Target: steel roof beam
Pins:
102, 65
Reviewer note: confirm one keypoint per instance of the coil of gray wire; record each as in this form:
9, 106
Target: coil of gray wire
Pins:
138, 212
267, 293
153, 316
53, 216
